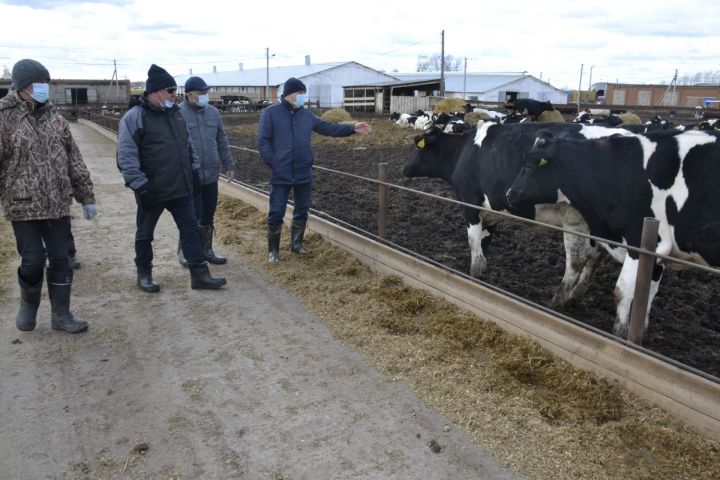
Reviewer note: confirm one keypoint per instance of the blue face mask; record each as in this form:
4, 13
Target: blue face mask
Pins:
168, 104
203, 100
300, 100
41, 92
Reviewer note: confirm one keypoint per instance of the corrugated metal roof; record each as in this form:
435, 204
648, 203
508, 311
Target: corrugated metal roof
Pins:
257, 77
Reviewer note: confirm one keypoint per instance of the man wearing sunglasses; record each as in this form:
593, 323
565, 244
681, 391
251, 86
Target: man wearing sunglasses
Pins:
156, 159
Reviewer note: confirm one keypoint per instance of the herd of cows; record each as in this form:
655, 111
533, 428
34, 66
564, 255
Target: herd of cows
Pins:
586, 176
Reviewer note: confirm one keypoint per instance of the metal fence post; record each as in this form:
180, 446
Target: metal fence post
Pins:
646, 264
382, 200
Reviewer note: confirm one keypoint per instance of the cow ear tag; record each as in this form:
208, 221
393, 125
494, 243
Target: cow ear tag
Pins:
542, 163
421, 143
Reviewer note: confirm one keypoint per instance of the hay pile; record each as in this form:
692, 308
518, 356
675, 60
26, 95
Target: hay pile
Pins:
473, 118
450, 105
336, 115
540, 416
551, 116
630, 118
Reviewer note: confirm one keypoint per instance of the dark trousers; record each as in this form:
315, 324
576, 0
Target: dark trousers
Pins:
205, 203
279, 195
40, 239
71, 242
183, 213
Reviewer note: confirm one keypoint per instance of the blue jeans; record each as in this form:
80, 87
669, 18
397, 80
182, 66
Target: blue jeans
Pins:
279, 195
205, 203
183, 213
38, 239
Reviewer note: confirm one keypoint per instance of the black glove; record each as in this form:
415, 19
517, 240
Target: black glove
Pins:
197, 185
145, 198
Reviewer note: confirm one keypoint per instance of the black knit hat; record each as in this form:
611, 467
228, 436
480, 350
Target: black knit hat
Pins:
158, 79
27, 71
196, 84
293, 85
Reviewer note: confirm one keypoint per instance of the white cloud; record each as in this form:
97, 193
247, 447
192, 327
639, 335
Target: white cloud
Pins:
640, 41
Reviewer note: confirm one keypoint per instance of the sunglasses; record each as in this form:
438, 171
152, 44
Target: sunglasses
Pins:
171, 91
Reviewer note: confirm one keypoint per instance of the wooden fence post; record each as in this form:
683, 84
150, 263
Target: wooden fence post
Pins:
646, 264
382, 200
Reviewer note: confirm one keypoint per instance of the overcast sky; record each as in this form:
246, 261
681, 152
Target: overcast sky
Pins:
638, 41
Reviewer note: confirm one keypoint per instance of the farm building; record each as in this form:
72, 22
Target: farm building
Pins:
324, 81
82, 92
413, 91
661, 95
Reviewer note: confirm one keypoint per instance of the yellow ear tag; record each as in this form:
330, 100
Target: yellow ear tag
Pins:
542, 162
421, 143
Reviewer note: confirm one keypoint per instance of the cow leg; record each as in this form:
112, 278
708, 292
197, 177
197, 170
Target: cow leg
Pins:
581, 259
476, 238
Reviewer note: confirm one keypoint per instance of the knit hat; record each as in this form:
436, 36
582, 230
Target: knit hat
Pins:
293, 85
196, 84
27, 71
158, 79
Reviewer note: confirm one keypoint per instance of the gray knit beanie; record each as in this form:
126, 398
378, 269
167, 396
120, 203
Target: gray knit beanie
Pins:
27, 71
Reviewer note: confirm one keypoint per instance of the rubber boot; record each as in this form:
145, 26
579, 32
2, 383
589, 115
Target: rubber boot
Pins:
181, 255
206, 237
59, 287
297, 232
274, 245
29, 303
200, 278
145, 280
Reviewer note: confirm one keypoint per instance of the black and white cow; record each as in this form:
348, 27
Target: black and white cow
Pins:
480, 165
534, 107
616, 182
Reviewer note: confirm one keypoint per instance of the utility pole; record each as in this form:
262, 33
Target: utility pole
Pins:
442, 63
667, 99
590, 79
117, 86
465, 79
267, 72
579, 88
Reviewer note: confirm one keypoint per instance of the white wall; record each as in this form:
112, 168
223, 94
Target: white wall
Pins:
327, 86
527, 87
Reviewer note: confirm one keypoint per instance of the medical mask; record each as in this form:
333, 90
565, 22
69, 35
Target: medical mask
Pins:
168, 104
202, 100
41, 92
300, 100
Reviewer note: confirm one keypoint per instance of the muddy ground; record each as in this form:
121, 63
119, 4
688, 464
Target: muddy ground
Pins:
685, 322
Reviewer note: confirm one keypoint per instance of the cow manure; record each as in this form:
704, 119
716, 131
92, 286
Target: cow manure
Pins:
434, 446
17, 341
141, 448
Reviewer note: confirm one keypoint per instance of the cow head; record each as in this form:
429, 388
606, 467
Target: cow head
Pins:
535, 183
433, 155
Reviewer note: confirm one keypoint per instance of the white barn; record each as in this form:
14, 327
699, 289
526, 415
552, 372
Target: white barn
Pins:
489, 87
324, 81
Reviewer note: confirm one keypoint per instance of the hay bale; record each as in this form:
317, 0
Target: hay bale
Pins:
473, 118
630, 119
450, 105
336, 115
553, 116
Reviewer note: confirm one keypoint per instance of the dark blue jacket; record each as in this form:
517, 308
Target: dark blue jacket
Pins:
284, 137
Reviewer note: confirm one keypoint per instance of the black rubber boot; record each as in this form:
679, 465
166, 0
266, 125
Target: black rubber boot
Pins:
181, 255
29, 303
145, 280
274, 245
200, 278
59, 287
297, 232
206, 237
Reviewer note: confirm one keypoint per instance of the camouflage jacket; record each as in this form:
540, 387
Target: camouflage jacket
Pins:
41, 168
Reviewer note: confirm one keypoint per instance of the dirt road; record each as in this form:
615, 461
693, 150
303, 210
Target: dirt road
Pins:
238, 383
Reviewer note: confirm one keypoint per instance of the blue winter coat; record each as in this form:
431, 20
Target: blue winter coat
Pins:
283, 139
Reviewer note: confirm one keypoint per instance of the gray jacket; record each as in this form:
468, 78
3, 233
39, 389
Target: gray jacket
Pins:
209, 141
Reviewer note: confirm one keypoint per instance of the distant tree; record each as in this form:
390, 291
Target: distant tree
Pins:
708, 77
432, 63
6, 75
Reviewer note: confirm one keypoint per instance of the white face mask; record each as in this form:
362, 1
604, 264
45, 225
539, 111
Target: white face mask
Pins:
300, 99
203, 100
40, 92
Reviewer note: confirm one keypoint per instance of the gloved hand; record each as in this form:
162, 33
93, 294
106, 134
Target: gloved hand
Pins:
197, 185
89, 211
145, 198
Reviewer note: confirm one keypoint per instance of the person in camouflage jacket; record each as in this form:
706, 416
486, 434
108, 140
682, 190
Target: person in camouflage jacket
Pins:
41, 169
